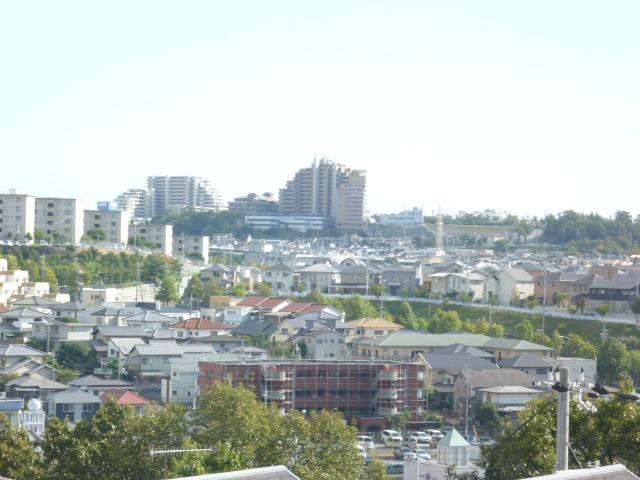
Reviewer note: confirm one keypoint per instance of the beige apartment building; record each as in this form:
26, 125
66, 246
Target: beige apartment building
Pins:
17, 216
59, 218
114, 223
196, 246
158, 235
327, 190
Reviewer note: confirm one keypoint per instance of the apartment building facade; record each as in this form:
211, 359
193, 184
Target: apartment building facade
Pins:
156, 236
59, 218
365, 391
175, 193
327, 190
136, 200
17, 216
196, 246
113, 222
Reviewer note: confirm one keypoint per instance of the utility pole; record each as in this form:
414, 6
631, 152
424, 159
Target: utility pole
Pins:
562, 438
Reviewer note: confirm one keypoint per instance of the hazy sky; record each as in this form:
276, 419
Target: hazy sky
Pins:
528, 107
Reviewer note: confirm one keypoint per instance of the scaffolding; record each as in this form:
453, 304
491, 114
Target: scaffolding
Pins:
357, 388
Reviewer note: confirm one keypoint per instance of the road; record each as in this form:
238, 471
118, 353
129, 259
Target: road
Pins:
550, 311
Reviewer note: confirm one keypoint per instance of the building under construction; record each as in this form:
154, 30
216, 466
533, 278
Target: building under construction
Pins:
364, 391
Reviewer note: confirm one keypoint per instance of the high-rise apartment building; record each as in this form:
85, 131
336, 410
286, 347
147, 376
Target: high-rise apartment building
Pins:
328, 190
177, 193
59, 218
136, 200
17, 216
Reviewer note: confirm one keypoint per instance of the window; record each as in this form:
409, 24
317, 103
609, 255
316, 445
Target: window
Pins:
88, 407
180, 333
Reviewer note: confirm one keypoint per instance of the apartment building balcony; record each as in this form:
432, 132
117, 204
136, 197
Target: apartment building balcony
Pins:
276, 376
387, 394
384, 411
388, 376
275, 395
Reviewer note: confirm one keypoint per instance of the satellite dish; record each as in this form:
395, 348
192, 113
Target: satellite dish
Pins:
34, 405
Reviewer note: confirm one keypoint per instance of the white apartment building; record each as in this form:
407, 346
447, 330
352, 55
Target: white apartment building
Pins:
161, 236
17, 216
136, 200
297, 223
406, 217
114, 224
167, 193
59, 218
196, 246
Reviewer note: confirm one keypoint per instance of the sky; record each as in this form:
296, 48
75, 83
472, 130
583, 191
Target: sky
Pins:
522, 107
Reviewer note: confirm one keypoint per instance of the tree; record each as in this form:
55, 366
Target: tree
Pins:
487, 415
496, 330
576, 346
357, 307
264, 288
635, 305
603, 309
96, 234
239, 290
613, 361
374, 470
445, 321
18, 456
406, 317
168, 291
572, 309
194, 291
376, 290
524, 330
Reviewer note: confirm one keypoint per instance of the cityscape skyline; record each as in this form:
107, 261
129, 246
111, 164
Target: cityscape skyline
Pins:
456, 106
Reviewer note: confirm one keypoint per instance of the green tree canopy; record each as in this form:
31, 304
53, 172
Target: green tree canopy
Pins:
168, 291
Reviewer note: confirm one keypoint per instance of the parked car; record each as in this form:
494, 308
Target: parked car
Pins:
391, 438
365, 441
435, 434
399, 452
421, 454
395, 468
419, 438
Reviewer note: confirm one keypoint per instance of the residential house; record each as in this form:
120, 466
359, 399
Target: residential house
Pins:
28, 366
218, 273
73, 404
469, 382
22, 318
59, 332
125, 398
11, 353
325, 344
71, 309
98, 385
283, 279
619, 292
369, 327
405, 344
198, 327
114, 317
322, 277
509, 286
149, 320
357, 279
509, 398
399, 279
563, 288
33, 386
540, 368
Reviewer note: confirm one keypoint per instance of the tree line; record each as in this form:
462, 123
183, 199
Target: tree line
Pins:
236, 430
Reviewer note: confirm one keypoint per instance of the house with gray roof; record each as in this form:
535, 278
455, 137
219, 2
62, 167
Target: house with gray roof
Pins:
72, 309
149, 320
509, 286
23, 317
13, 352
98, 385
405, 344
33, 386
73, 404
533, 365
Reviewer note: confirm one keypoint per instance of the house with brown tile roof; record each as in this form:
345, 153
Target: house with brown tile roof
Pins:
198, 327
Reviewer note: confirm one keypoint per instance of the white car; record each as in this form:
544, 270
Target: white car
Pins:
391, 438
435, 434
419, 438
365, 441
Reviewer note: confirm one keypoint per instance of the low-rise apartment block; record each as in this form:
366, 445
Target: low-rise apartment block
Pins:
17, 216
59, 218
156, 236
113, 222
195, 246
